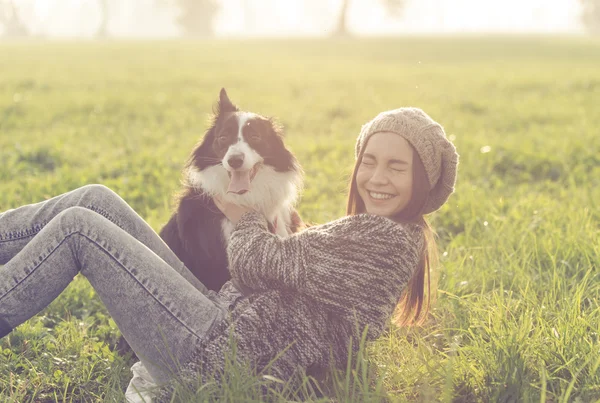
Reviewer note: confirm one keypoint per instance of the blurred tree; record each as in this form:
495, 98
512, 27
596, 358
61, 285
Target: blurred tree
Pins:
103, 28
342, 27
590, 15
197, 17
393, 7
11, 21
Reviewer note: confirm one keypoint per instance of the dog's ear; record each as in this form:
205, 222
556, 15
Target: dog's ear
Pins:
225, 104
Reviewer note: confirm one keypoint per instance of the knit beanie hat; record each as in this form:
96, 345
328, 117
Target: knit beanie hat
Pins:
427, 137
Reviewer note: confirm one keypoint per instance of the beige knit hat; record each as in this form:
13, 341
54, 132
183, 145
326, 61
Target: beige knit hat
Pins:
429, 141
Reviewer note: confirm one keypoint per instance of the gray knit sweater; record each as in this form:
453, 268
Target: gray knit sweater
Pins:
307, 295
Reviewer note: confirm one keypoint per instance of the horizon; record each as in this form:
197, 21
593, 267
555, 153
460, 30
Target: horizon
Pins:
144, 19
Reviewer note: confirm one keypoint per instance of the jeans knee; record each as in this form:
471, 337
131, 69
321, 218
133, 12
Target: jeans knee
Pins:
75, 218
74, 224
102, 199
100, 193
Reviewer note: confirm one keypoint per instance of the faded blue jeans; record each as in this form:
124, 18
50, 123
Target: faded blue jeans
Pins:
161, 308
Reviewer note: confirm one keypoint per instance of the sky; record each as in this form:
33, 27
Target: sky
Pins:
142, 18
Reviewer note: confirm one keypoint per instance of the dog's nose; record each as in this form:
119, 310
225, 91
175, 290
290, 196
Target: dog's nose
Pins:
236, 161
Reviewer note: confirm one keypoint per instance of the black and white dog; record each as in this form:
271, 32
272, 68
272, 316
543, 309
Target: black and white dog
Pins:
242, 158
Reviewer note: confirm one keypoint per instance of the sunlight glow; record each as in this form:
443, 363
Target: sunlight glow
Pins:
144, 18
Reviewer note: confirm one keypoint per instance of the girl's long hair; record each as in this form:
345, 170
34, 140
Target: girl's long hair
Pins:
414, 303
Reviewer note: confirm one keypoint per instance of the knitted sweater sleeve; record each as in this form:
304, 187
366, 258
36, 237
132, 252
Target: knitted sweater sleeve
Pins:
355, 265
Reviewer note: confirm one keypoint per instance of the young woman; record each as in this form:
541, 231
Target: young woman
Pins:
298, 301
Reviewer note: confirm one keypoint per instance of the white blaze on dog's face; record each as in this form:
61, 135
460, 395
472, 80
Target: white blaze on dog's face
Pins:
243, 159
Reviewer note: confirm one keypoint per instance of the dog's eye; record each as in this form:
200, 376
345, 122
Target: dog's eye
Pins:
251, 133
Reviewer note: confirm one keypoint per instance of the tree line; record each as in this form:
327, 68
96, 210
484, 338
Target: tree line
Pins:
196, 18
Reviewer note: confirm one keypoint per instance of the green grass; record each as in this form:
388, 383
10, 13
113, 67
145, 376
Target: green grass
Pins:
517, 316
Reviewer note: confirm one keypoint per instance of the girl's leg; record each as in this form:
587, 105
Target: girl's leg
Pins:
20, 226
162, 316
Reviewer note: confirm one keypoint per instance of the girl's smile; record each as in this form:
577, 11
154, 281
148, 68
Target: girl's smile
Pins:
380, 196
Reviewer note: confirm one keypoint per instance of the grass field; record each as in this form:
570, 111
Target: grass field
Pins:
517, 316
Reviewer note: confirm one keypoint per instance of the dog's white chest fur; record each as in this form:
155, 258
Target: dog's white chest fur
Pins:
227, 227
282, 227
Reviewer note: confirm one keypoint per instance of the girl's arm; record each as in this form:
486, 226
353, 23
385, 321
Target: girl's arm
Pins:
353, 265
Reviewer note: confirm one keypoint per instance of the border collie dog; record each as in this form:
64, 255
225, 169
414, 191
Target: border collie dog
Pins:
242, 158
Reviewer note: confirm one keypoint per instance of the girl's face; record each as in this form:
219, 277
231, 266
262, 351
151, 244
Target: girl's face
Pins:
384, 176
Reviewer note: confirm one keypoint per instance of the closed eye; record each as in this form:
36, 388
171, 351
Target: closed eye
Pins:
398, 166
367, 161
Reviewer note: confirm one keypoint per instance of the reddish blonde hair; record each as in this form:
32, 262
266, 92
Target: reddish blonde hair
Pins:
415, 301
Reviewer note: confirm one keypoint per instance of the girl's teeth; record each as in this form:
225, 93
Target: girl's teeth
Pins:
380, 196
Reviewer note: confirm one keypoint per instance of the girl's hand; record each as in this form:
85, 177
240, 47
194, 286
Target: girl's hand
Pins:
232, 211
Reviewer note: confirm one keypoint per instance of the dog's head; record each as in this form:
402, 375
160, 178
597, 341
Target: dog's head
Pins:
242, 155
